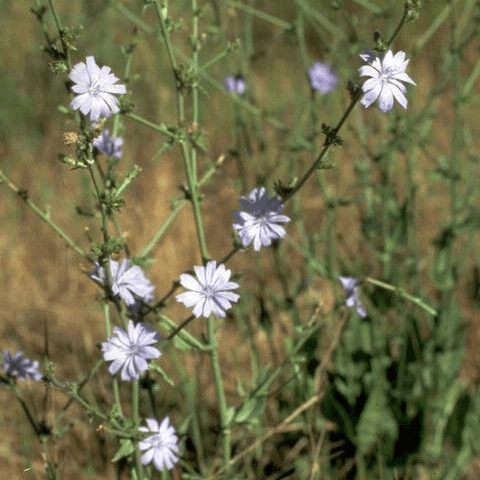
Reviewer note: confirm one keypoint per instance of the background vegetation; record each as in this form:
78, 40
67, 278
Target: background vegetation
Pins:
319, 392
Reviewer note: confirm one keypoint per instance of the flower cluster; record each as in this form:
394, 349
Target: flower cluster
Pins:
20, 367
259, 221
161, 447
127, 282
108, 144
131, 350
322, 77
95, 88
385, 84
209, 292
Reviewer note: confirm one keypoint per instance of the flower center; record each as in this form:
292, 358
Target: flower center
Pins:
157, 441
209, 291
94, 88
385, 77
133, 349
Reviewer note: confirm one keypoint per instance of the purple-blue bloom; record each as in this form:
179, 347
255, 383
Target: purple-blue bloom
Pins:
209, 291
322, 77
387, 74
20, 367
235, 84
128, 282
259, 222
161, 447
350, 285
95, 88
130, 350
108, 144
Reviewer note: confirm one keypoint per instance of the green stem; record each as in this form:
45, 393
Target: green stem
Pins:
300, 31
104, 220
177, 208
330, 231
471, 80
166, 36
217, 377
86, 379
214, 60
106, 317
314, 16
158, 128
182, 333
399, 26
259, 14
108, 333
456, 144
20, 400
318, 162
430, 31
45, 216
369, 6
60, 33
117, 118
162, 230
193, 157
399, 291
203, 73
361, 467
104, 260
81, 401
257, 112
189, 160
195, 199
136, 424
135, 19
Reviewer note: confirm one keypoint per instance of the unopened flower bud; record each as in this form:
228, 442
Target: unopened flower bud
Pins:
70, 137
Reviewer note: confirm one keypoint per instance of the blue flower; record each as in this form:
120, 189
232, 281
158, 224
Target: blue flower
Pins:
20, 367
259, 222
209, 291
350, 285
385, 84
131, 350
161, 447
95, 88
235, 84
322, 77
109, 145
128, 282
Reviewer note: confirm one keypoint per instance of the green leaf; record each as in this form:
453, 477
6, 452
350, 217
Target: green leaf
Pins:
250, 409
127, 447
442, 269
439, 409
245, 410
377, 423
334, 410
181, 344
229, 415
164, 375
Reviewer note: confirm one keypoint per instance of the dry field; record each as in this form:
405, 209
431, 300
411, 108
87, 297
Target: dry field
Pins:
45, 288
